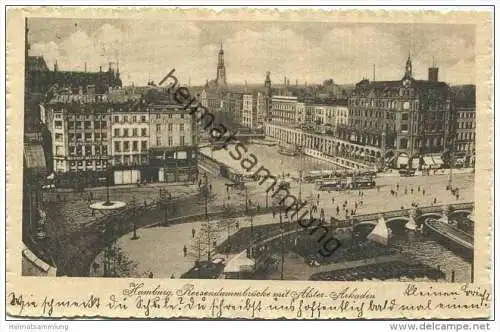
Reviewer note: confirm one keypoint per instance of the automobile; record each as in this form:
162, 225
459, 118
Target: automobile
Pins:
48, 186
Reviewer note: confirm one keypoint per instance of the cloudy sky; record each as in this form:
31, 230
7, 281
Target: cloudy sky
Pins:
303, 51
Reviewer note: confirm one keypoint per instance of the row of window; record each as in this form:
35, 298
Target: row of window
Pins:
170, 141
126, 146
88, 163
130, 119
79, 137
466, 115
377, 114
170, 127
466, 125
79, 125
378, 103
130, 132
130, 160
466, 136
465, 147
75, 117
90, 150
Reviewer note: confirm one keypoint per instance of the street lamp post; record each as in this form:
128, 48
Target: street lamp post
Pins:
450, 178
282, 244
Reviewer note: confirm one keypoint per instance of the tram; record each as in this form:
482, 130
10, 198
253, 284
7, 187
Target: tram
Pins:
346, 182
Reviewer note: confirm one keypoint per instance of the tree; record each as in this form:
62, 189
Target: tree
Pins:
117, 264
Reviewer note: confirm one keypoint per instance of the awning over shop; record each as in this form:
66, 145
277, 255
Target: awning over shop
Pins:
402, 160
438, 161
428, 162
415, 162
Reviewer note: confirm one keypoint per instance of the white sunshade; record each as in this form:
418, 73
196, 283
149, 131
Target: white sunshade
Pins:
403, 160
428, 161
438, 160
239, 263
415, 162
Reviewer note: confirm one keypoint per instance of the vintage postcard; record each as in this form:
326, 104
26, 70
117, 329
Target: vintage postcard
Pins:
255, 164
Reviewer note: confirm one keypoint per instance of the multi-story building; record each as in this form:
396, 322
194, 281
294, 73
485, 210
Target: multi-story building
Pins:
249, 111
465, 127
172, 143
93, 134
284, 109
129, 142
408, 119
80, 132
253, 112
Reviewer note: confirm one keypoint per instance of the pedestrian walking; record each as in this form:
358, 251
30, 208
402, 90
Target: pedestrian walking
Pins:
274, 214
397, 187
418, 189
333, 200
185, 249
406, 191
193, 232
423, 192
150, 275
435, 200
411, 190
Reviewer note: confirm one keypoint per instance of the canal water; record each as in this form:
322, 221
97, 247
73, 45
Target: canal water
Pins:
418, 247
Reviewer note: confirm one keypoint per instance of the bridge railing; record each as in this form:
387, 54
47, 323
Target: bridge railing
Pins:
397, 213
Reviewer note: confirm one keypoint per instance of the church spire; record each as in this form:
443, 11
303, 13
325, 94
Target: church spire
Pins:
408, 67
221, 68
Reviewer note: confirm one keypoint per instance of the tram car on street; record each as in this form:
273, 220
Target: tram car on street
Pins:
347, 182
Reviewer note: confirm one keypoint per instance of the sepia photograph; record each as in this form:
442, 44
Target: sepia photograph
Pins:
326, 164
305, 151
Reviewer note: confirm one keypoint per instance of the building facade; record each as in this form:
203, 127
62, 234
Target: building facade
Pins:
408, 119
121, 139
465, 139
284, 109
173, 143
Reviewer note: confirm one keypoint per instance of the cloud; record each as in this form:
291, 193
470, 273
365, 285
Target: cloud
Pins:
313, 52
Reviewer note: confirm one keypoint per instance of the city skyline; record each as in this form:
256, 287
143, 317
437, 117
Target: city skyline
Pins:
307, 52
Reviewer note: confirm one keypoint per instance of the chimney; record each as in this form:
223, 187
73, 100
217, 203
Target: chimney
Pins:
56, 67
433, 74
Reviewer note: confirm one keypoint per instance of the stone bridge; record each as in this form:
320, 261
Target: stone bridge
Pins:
401, 216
